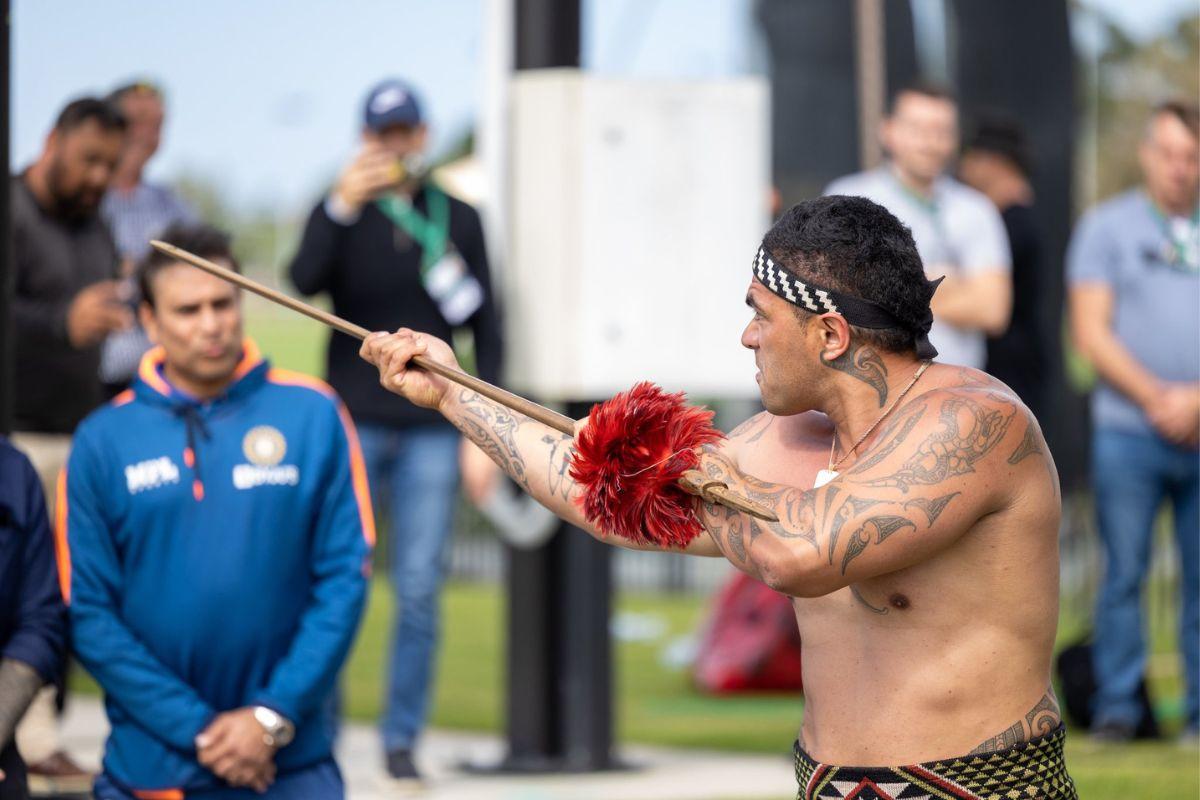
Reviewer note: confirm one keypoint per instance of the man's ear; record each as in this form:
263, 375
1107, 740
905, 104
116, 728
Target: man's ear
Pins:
51, 142
148, 320
835, 334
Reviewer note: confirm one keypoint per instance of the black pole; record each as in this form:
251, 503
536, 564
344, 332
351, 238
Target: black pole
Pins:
1032, 39
7, 272
559, 681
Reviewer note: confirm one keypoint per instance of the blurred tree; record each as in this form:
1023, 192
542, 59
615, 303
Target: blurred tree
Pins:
262, 240
1127, 79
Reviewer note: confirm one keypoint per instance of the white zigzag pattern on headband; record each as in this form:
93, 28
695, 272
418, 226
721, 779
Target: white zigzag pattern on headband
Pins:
790, 287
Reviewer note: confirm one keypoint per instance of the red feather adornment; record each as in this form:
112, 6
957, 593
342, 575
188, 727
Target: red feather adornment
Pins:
629, 460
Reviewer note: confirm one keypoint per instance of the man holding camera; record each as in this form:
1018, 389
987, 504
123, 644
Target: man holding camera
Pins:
392, 249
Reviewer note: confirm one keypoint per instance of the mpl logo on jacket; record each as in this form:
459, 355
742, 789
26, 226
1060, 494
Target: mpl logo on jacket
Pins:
151, 474
264, 447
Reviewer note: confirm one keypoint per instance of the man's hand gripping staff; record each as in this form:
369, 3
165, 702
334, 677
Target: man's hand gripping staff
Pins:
635, 460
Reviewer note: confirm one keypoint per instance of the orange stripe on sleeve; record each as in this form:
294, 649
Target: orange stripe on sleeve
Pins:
358, 473
358, 467
62, 550
158, 794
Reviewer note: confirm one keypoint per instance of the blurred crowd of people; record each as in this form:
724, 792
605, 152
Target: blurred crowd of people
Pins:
213, 516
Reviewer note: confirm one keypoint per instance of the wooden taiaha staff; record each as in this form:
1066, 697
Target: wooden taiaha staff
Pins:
693, 481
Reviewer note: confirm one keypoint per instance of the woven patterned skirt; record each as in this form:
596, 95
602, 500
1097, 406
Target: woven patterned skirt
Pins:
1032, 770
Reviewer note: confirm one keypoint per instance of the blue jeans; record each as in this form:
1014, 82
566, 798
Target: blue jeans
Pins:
1132, 475
321, 781
414, 484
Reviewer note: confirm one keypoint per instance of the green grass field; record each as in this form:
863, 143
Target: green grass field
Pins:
656, 704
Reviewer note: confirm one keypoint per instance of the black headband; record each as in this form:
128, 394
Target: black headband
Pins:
863, 313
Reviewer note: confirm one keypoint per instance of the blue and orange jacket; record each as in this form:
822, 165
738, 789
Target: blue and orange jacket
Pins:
213, 556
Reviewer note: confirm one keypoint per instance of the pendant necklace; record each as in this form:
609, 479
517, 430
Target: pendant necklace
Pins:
826, 475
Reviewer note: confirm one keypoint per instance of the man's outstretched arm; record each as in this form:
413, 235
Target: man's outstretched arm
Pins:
534, 455
945, 460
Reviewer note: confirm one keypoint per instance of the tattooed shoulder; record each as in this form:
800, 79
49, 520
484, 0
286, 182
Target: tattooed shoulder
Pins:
1028, 446
968, 426
752, 429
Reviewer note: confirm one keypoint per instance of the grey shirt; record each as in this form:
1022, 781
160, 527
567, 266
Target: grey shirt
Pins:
958, 232
134, 218
56, 384
1124, 244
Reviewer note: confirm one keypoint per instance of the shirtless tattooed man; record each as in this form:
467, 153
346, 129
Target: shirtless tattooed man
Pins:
918, 515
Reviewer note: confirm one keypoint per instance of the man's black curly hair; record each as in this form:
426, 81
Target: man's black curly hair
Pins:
197, 238
852, 245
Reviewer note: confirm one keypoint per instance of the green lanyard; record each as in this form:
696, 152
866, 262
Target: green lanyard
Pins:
1176, 249
432, 232
928, 204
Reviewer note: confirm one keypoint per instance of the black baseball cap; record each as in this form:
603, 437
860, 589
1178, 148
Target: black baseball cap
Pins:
392, 102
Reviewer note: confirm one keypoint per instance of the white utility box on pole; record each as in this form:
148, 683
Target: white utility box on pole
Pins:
636, 207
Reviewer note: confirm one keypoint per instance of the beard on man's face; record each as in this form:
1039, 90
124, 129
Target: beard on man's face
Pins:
76, 204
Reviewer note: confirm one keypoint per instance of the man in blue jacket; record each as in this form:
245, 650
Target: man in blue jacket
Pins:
33, 624
219, 529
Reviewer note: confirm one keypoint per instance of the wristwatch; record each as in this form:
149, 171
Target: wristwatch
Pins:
278, 730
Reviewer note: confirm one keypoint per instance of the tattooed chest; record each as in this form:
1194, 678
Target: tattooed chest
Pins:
879, 599
882, 598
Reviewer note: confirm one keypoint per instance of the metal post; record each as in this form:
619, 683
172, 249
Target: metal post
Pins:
870, 58
559, 681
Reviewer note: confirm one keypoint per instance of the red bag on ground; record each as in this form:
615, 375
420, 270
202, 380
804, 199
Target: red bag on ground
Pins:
751, 643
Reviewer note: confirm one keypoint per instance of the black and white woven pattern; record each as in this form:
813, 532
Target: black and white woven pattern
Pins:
788, 286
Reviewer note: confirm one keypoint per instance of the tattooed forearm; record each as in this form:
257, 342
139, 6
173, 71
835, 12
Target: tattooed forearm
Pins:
493, 428
967, 432
562, 450
1043, 718
793, 506
735, 533
735, 525
865, 364
19, 682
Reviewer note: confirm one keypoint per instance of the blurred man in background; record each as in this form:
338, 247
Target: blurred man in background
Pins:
33, 621
959, 234
996, 162
136, 211
393, 249
1134, 273
219, 529
66, 302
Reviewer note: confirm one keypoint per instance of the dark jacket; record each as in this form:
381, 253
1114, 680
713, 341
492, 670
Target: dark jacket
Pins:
33, 619
371, 270
57, 385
